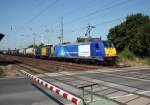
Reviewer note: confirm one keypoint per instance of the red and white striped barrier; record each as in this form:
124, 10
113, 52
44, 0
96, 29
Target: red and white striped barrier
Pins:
73, 99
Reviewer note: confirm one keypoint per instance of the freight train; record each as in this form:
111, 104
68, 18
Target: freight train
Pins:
95, 51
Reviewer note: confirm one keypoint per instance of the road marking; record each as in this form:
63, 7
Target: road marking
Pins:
127, 77
140, 73
121, 96
144, 92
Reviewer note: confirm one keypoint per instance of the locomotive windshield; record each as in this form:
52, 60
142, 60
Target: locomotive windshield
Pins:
108, 43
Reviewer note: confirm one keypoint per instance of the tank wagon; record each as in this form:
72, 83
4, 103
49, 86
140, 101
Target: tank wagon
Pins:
22, 52
13, 52
29, 52
96, 50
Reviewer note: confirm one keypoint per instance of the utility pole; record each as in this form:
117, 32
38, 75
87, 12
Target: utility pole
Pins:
59, 39
62, 30
34, 36
34, 43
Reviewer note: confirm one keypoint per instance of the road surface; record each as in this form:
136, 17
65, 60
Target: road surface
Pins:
20, 91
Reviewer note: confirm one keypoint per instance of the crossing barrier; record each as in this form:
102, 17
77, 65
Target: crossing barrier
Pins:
73, 99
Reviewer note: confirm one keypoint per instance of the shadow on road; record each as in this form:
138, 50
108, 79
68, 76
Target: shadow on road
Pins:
47, 94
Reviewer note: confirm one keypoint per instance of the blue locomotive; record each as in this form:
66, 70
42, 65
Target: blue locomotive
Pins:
98, 50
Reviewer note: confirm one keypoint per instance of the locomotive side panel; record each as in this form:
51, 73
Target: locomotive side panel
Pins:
84, 50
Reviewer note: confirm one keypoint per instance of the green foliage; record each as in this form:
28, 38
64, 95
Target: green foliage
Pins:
79, 39
141, 42
30, 46
130, 58
1, 72
126, 54
40, 45
148, 61
134, 33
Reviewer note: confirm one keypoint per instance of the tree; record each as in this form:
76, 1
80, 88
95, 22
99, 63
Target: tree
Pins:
79, 39
30, 46
129, 34
142, 41
41, 45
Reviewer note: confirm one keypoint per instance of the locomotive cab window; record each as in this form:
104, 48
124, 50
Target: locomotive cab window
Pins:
108, 44
96, 45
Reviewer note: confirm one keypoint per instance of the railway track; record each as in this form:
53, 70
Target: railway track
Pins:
52, 66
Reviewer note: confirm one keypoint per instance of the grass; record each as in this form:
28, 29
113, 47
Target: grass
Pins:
1, 72
129, 58
147, 61
126, 54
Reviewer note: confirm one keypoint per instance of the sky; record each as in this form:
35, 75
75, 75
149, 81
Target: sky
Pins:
22, 21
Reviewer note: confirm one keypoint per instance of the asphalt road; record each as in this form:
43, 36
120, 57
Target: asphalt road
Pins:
144, 85
21, 91
129, 86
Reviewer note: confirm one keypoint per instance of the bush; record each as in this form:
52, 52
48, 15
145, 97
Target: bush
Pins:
128, 57
1, 72
126, 54
148, 61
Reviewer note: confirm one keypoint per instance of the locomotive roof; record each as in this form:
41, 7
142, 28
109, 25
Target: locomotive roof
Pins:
78, 43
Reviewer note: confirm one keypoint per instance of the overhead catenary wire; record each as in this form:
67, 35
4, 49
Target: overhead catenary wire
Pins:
80, 8
12, 28
107, 8
39, 13
42, 11
53, 3
98, 11
104, 22
38, 5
